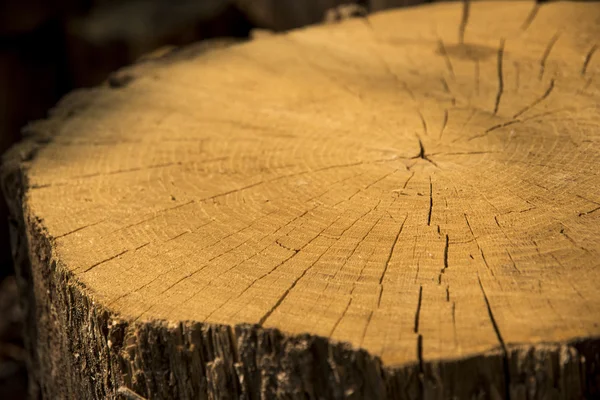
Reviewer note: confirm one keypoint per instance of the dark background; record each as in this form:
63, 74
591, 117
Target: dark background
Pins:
49, 47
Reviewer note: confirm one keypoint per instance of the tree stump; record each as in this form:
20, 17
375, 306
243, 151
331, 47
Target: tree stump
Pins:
400, 206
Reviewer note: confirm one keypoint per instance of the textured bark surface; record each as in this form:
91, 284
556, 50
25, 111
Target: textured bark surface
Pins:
347, 211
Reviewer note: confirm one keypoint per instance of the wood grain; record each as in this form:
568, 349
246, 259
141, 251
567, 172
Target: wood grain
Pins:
405, 205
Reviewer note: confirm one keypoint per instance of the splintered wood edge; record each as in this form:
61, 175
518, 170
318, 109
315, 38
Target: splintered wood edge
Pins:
508, 369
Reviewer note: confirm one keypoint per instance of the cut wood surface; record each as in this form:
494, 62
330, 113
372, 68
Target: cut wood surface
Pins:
416, 192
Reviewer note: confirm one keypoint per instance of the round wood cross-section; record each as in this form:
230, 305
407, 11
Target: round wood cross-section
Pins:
404, 205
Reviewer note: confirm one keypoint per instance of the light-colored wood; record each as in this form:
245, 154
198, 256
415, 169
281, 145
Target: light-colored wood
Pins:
373, 182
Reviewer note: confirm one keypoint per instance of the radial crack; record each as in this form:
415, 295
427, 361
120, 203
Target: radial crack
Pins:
421, 149
469, 225
464, 21
79, 229
444, 53
530, 17
445, 85
286, 247
581, 214
514, 264
573, 242
493, 128
588, 58
430, 202
364, 332
422, 154
485, 261
423, 122
443, 270
546, 54
444, 122
380, 179
392, 248
418, 313
340, 318
500, 77
408, 180
103, 261
536, 101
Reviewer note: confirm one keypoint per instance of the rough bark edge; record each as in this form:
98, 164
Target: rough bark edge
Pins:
79, 349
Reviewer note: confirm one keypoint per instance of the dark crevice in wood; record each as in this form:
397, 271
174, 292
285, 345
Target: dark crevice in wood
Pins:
380, 179
573, 242
514, 264
423, 122
446, 88
391, 252
408, 180
464, 21
418, 312
454, 316
421, 150
177, 236
430, 202
588, 200
422, 154
588, 58
444, 123
78, 229
369, 318
445, 85
104, 261
500, 76
581, 214
536, 101
446, 248
546, 54
285, 247
340, 318
485, 261
493, 128
530, 17
497, 223
469, 225
141, 246
154, 215
444, 53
